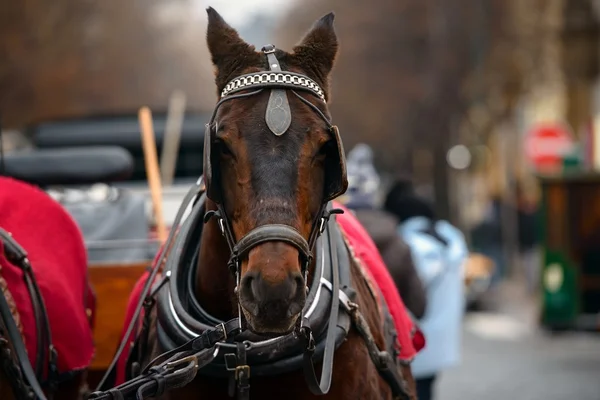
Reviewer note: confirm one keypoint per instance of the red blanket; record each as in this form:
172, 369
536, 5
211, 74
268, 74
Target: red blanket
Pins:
410, 338
58, 257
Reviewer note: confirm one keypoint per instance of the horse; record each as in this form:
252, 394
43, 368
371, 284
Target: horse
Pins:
260, 283
46, 302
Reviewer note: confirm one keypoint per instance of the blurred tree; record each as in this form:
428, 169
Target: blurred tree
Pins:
408, 72
64, 58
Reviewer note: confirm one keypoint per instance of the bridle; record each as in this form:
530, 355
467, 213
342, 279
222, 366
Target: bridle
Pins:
278, 119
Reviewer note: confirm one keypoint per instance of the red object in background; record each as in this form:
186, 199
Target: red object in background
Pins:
58, 258
546, 145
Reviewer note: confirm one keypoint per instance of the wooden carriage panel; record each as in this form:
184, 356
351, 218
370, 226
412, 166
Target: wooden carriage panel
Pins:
113, 284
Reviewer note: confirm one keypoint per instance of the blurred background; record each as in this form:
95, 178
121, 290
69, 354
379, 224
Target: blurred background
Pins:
491, 107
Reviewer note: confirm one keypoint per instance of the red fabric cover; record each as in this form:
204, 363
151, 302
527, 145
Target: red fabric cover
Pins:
58, 257
134, 298
410, 337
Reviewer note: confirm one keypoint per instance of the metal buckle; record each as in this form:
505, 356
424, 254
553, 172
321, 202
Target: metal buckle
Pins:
346, 302
269, 49
310, 339
185, 360
224, 331
222, 226
238, 369
242, 369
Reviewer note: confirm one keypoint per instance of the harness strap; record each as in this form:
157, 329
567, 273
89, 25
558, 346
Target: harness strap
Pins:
207, 339
18, 256
14, 337
167, 376
322, 386
382, 359
240, 373
175, 368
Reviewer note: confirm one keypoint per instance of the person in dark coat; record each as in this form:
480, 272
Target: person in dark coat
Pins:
439, 252
361, 198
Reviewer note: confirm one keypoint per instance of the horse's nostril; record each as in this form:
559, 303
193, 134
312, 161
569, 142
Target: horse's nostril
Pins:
299, 286
246, 289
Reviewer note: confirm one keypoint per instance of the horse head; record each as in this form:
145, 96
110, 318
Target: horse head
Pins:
272, 160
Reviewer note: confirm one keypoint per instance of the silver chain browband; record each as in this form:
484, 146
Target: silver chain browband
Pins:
283, 79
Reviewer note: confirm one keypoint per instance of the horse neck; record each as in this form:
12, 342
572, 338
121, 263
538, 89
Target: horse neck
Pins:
214, 282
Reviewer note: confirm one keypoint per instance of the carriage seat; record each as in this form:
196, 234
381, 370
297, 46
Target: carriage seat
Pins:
71, 165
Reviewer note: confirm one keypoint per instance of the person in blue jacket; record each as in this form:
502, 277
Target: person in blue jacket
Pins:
439, 252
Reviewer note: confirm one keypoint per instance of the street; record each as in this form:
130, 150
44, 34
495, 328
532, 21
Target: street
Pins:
505, 356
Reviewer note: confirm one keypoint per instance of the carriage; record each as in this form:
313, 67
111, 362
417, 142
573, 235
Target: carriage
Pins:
570, 233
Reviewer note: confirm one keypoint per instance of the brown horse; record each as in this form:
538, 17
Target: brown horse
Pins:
46, 303
265, 257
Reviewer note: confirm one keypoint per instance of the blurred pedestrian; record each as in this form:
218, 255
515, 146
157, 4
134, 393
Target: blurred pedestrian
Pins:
361, 198
488, 238
527, 215
439, 251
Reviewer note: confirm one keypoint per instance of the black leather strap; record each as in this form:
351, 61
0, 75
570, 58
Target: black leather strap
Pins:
167, 376
239, 380
271, 233
207, 339
175, 368
45, 366
14, 337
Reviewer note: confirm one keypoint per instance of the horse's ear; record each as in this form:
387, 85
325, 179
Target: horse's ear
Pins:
227, 49
317, 51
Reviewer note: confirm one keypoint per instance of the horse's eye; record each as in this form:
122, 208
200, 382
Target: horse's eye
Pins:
224, 149
325, 149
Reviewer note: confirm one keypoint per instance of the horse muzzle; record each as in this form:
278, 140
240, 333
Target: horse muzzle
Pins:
272, 307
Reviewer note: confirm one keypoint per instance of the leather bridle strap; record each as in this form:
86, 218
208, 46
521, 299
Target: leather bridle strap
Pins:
271, 233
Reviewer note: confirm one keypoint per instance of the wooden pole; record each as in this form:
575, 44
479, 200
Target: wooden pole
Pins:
152, 170
171, 137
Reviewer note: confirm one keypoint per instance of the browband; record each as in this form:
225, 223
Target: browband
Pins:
289, 80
